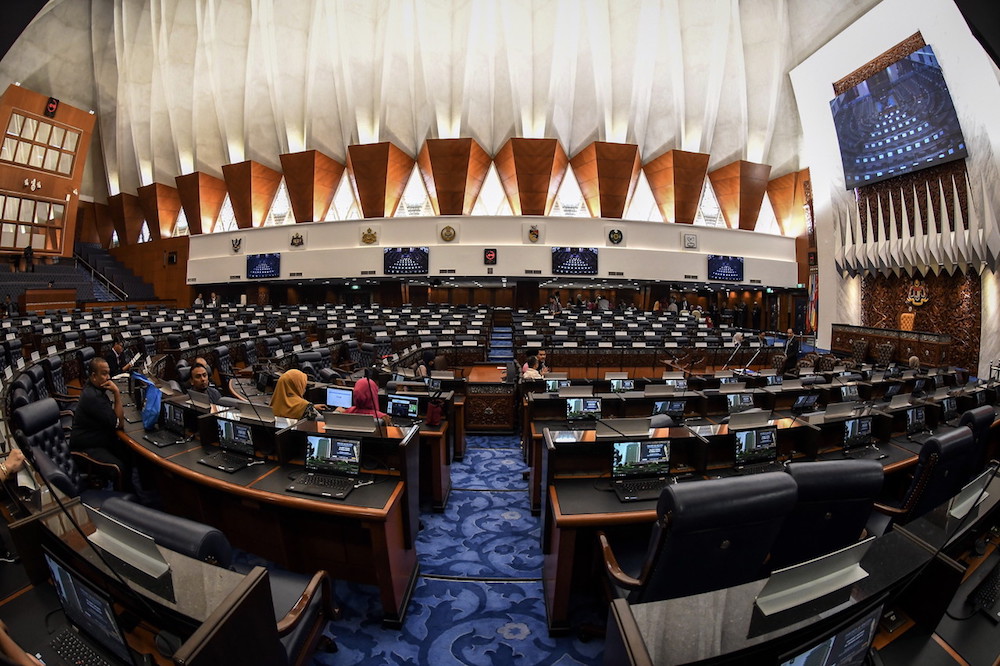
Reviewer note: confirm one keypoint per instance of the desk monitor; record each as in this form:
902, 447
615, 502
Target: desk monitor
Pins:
645, 458
727, 379
949, 409
849, 392
333, 455
848, 645
672, 408
739, 402
918, 385
173, 418
622, 385
89, 611
680, 385
553, 385
433, 384
576, 391
805, 403
858, 432
235, 437
980, 398
405, 406
938, 380
337, 396
758, 445
583, 408
916, 420
774, 380
895, 372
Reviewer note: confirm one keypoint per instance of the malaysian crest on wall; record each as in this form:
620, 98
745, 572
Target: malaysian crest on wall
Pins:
297, 240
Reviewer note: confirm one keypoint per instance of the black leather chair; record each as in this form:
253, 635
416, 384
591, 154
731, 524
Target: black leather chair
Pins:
302, 604
708, 535
941, 471
43, 440
224, 365
835, 500
65, 394
249, 353
84, 355
978, 420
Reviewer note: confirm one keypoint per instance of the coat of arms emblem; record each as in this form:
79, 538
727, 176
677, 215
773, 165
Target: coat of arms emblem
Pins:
297, 240
917, 295
616, 236
237, 243
369, 237
533, 233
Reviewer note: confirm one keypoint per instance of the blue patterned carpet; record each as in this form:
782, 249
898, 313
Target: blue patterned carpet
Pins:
488, 609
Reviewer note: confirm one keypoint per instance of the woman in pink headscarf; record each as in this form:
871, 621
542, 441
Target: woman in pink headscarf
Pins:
365, 400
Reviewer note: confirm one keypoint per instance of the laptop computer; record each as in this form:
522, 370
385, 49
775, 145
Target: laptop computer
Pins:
949, 411
236, 444
171, 430
756, 451
622, 385
580, 411
739, 402
403, 409
640, 469
337, 396
916, 425
93, 625
849, 393
332, 467
632, 427
553, 385
804, 403
363, 423
774, 380
673, 408
859, 440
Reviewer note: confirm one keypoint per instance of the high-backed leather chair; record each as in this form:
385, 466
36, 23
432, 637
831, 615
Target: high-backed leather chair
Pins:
65, 394
84, 355
883, 354
302, 604
941, 471
835, 500
224, 365
708, 535
859, 350
978, 420
249, 353
43, 440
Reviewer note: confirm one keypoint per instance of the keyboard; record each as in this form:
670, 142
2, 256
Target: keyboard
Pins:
635, 490
864, 452
69, 646
323, 481
920, 437
229, 462
163, 438
759, 468
987, 593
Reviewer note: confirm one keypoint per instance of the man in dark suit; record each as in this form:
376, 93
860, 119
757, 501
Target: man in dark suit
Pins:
792, 348
117, 362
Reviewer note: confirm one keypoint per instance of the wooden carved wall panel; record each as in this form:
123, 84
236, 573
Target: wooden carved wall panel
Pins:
953, 308
912, 43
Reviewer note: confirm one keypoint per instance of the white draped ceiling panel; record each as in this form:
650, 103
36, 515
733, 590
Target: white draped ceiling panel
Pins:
191, 85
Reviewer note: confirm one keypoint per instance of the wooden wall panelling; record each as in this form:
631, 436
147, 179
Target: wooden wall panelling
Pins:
86, 223
151, 262
676, 179
251, 187
126, 214
378, 172
160, 206
788, 198
607, 174
202, 196
954, 308
312, 179
453, 171
55, 187
531, 171
739, 187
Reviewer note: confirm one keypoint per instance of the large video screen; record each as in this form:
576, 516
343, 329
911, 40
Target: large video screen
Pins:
406, 261
899, 120
725, 269
574, 261
262, 266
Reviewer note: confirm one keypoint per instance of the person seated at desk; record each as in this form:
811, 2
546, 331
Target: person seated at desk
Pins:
116, 359
11, 652
532, 369
542, 368
200, 382
98, 418
365, 400
426, 364
287, 401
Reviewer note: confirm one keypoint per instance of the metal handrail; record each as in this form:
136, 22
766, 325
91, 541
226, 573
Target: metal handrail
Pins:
100, 277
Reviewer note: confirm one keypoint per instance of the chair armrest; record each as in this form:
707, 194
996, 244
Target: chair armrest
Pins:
62, 397
889, 510
614, 569
320, 582
101, 465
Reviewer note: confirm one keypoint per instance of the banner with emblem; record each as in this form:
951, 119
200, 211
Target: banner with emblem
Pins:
532, 232
614, 236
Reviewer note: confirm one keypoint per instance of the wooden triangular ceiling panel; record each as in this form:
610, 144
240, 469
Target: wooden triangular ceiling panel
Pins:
453, 171
311, 179
607, 174
379, 172
739, 187
531, 171
676, 179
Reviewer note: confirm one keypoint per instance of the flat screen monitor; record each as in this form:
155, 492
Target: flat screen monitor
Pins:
725, 269
739, 402
405, 406
574, 261
949, 409
729, 380
899, 120
672, 408
774, 380
849, 392
641, 457
173, 418
333, 454
339, 397
677, 384
847, 646
235, 437
805, 402
622, 385
263, 266
583, 408
553, 385
915, 420
406, 261
858, 432
756, 445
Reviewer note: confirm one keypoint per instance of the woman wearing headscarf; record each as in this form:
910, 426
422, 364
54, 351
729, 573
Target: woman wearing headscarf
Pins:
287, 401
365, 399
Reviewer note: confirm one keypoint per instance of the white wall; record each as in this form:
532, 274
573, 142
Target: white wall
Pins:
650, 251
972, 80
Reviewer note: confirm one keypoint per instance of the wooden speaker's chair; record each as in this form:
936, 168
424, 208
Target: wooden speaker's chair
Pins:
907, 320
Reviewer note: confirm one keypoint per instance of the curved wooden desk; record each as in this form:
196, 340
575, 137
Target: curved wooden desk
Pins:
360, 539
